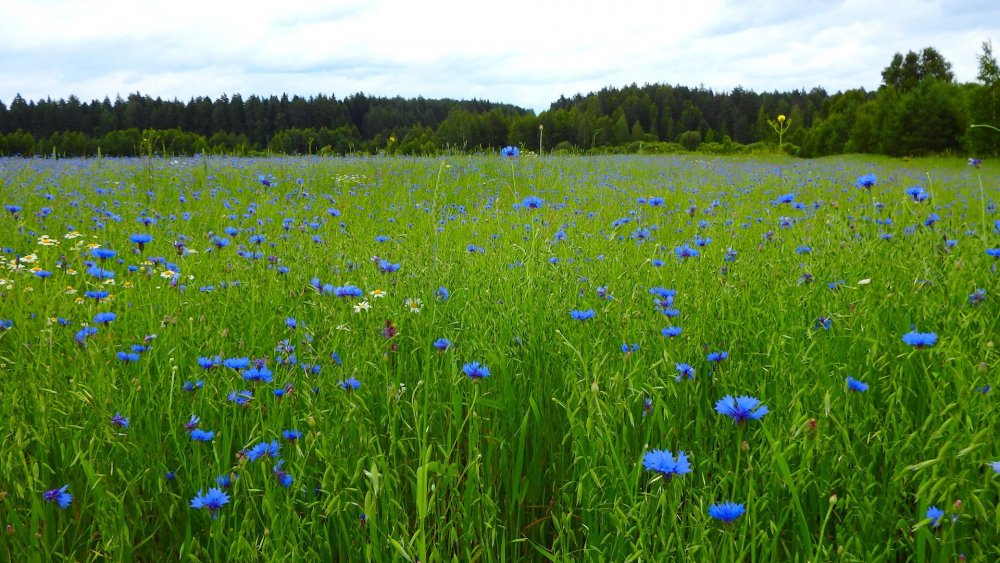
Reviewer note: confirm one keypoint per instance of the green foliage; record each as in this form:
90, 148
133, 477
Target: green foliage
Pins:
609, 120
928, 119
544, 459
689, 140
905, 73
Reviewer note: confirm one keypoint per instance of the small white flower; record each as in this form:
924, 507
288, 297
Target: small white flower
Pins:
362, 306
413, 304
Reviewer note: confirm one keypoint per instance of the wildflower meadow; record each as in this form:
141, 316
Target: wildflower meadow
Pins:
499, 357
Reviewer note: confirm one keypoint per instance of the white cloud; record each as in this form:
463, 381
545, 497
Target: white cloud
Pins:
518, 52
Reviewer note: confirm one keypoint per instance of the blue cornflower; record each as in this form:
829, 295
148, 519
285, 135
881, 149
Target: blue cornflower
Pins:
284, 478
442, 293
629, 349
582, 315
119, 420
655, 201
977, 297
350, 384
128, 357
667, 310
258, 373
42, 274
442, 344
81, 335
532, 202
387, 267
97, 295
866, 181
934, 514
917, 193
6, 324
684, 371
13, 209
855, 385
664, 463
291, 435
235, 363
824, 323
684, 251
995, 465
717, 356
994, 252
475, 249
59, 496
208, 362
740, 409
475, 370
804, 249
641, 234
240, 397
270, 449
920, 339
213, 501
103, 254
226, 481
348, 291
192, 423
726, 512
105, 318
730, 255
291, 322
510, 152
200, 435
100, 273
381, 238
141, 240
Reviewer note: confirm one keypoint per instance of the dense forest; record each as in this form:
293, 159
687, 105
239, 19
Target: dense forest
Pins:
918, 109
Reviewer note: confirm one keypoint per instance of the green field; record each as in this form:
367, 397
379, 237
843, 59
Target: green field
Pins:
343, 429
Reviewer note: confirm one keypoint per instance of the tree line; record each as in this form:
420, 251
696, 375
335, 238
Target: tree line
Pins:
918, 109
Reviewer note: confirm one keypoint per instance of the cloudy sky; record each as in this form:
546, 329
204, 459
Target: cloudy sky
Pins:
525, 53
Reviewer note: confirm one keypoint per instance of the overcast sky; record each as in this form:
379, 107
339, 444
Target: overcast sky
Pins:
525, 53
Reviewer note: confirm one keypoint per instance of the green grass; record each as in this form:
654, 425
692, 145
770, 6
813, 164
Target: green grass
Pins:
543, 459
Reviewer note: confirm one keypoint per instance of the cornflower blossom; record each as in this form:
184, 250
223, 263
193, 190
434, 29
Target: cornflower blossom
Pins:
664, 463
